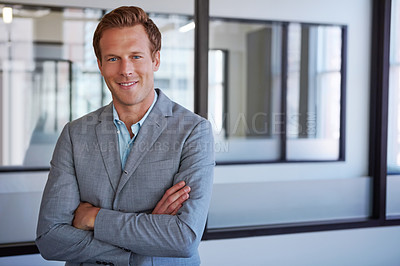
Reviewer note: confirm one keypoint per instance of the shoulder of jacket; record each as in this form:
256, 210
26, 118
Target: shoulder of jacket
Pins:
91, 118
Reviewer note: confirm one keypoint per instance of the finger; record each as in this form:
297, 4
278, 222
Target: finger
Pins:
174, 189
169, 204
180, 195
170, 191
176, 209
177, 202
174, 192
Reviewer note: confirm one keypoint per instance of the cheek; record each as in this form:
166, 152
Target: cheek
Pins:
109, 71
149, 70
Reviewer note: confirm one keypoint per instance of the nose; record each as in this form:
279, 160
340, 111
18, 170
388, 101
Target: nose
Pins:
126, 68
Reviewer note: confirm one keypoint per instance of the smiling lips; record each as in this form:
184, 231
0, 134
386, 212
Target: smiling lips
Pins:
127, 84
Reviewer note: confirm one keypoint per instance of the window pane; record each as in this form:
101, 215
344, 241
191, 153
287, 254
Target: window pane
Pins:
313, 92
393, 156
176, 74
247, 112
48, 76
394, 92
244, 90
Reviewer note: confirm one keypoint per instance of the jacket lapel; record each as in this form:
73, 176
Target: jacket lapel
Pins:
108, 145
152, 128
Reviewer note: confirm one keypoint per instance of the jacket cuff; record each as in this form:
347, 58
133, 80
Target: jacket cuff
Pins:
102, 225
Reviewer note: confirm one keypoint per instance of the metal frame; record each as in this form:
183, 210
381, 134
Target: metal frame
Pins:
380, 52
343, 87
18, 249
201, 36
284, 78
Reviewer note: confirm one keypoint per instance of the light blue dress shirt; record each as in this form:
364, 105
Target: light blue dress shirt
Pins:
124, 139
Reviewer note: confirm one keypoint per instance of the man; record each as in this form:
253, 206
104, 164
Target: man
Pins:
120, 178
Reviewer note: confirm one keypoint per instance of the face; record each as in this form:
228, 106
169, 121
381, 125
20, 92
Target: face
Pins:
128, 66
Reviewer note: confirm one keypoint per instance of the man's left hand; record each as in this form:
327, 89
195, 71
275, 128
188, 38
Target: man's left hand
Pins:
85, 215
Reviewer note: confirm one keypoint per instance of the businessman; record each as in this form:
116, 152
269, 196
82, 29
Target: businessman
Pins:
130, 183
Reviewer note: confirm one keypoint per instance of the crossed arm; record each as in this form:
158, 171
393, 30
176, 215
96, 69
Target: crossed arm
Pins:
170, 203
177, 233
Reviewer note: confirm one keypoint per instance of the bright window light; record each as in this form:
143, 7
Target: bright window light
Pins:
7, 15
188, 27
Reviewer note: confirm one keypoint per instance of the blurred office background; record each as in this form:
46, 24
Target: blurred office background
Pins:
303, 96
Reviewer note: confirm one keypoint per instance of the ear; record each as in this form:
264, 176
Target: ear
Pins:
100, 67
156, 61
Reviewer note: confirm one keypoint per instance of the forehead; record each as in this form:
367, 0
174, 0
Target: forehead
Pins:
122, 38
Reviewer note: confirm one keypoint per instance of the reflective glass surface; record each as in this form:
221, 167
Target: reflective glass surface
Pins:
49, 76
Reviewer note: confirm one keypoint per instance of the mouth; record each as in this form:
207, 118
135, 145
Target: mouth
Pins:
127, 84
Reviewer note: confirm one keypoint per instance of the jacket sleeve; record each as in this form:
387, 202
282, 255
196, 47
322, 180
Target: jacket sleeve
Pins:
166, 235
56, 238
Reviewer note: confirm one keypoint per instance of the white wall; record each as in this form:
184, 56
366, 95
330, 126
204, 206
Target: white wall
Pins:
361, 247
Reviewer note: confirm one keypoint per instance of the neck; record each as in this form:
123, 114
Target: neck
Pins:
131, 114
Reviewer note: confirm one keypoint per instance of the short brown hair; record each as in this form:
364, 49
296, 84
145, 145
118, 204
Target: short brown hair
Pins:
127, 16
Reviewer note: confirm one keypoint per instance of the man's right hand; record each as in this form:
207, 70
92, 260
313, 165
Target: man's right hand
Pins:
173, 199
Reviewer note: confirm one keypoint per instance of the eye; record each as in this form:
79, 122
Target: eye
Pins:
112, 59
136, 57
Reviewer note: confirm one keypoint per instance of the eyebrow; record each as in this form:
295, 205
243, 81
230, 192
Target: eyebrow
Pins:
132, 53
110, 55
137, 52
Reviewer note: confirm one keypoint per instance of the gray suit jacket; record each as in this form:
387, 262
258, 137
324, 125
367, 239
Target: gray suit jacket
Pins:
172, 145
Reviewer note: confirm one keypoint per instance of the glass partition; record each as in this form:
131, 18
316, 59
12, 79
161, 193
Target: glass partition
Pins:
313, 92
176, 74
394, 92
393, 147
245, 89
276, 91
49, 76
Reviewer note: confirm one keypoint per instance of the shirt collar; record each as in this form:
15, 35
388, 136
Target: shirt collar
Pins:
141, 121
